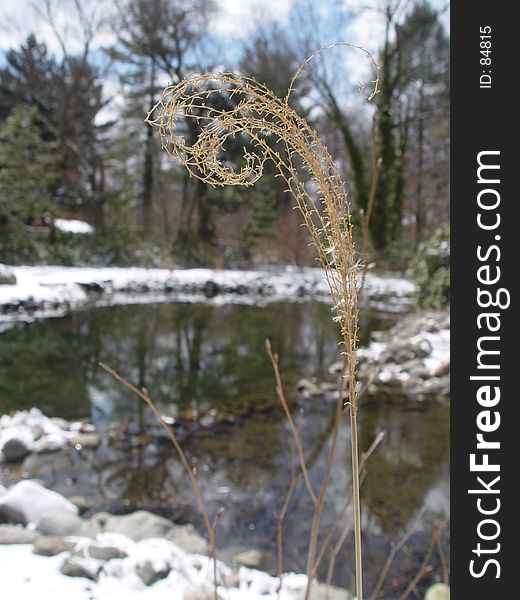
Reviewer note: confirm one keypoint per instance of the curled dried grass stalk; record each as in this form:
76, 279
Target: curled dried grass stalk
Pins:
197, 118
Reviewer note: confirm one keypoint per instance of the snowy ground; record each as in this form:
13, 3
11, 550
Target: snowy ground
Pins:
34, 576
117, 558
53, 290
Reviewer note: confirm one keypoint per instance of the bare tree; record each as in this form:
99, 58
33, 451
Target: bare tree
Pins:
158, 38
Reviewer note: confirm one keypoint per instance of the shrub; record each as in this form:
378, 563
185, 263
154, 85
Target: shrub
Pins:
430, 268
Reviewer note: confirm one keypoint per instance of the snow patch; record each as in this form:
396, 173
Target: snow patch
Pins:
50, 291
73, 226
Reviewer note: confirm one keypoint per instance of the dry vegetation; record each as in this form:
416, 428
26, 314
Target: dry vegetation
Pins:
273, 131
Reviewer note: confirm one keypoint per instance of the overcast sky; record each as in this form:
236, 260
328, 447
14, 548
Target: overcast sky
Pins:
234, 21
235, 18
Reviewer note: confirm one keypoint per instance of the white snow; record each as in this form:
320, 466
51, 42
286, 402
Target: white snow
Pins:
34, 576
440, 345
35, 430
73, 226
53, 290
31, 501
433, 338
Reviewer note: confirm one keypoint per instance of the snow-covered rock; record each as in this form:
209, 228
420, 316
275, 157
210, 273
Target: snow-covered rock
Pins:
110, 565
60, 523
76, 566
28, 502
15, 449
137, 526
153, 569
7, 277
413, 358
14, 534
47, 545
31, 431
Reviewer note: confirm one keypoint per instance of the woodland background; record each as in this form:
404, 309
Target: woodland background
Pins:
77, 78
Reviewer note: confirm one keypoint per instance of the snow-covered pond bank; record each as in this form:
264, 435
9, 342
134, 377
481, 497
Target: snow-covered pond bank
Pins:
54, 290
49, 551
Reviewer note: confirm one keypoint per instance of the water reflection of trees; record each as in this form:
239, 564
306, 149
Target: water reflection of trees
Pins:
41, 364
189, 355
212, 357
412, 457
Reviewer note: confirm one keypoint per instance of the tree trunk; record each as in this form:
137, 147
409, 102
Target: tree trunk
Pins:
148, 175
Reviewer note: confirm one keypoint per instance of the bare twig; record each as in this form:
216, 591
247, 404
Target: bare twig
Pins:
362, 467
425, 564
280, 518
294, 430
444, 562
210, 526
393, 553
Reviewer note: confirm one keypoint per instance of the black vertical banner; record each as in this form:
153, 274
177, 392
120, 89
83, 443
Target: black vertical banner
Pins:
485, 232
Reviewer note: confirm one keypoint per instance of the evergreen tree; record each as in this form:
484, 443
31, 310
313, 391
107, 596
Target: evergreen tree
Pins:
27, 175
68, 98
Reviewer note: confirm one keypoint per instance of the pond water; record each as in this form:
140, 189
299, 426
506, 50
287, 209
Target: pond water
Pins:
206, 366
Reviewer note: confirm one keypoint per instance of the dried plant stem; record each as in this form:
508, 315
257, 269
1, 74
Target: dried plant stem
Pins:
339, 544
280, 519
356, 501
312, 563
274, 132
294, 430
210, 526
425, 564
393, 553
336, 550
444, 562
362, 469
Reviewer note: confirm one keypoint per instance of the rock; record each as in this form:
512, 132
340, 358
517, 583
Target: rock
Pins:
7, 277
15, 450
37, 431
411, 359
57, 523
188, 539
138, 526
13, 534
61, 423
85, 440
49, 443
87, 428
442, 370
28, 502
207, 420
250, 558
321, 591
81, 502
151, 573
103, 553
337, 367
421, 348
211, 289
202, 594
438, 591
308, 388
50, 545
81, 567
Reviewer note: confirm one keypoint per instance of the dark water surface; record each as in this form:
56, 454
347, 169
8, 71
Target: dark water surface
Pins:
206, 366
